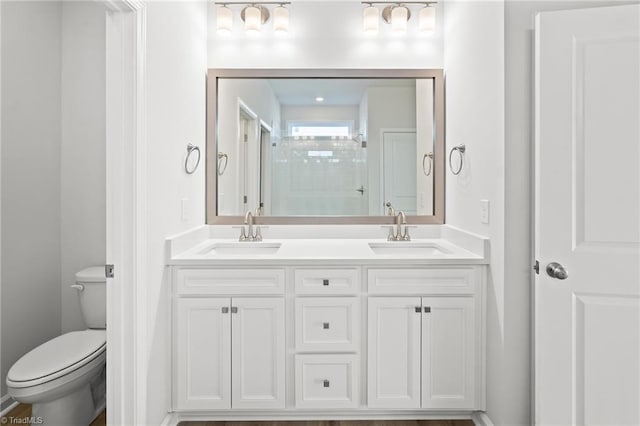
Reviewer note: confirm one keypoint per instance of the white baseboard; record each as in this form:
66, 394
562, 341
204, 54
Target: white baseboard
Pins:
170, 420
7, 404
480, 418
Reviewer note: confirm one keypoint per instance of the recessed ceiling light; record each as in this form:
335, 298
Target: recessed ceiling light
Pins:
319, 99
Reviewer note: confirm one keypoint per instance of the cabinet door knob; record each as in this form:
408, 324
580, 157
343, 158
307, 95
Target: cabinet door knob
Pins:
325, 383
427, 309
325, 325
234, 309
325, 282
418, 309
225, 309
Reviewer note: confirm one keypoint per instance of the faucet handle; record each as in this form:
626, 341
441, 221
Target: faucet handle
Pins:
243, 234
258, 236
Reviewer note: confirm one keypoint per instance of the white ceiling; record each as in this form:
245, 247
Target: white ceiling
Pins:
335, 91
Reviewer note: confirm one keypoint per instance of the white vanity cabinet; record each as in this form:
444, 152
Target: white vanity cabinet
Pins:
424, 338
229, 352
358, 338
327, 337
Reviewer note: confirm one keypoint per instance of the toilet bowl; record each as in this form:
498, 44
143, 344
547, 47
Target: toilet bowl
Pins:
64, 378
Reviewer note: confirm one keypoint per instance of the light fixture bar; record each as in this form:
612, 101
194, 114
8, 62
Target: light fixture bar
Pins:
250, 3
397, 3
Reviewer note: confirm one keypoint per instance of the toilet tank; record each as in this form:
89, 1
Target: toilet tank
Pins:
92, 292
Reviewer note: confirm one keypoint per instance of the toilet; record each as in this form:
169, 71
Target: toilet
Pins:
64, 378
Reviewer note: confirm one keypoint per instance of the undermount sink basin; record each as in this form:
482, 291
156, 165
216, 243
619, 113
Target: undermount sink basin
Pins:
242, 248
407, 249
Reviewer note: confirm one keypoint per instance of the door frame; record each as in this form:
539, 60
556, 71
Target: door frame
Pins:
243, 150
126, 209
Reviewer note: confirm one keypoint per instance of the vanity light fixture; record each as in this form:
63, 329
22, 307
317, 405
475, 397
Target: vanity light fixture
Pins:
254, 15
281, 19
370, 19
224, 19
398, 15
427, 19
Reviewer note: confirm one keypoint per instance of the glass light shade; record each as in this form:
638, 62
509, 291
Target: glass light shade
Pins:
224, 19
370, 20
281, 19
399, 18
427, 19
252, 19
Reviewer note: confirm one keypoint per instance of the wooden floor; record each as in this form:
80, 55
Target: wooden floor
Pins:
23, 411
339, 423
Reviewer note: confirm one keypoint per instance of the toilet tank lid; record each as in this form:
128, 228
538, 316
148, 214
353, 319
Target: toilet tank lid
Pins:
93, 274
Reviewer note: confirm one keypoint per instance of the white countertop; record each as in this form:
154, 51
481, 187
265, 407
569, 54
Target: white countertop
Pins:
210, 246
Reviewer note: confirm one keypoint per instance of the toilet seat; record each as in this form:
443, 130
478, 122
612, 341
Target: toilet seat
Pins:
57, 357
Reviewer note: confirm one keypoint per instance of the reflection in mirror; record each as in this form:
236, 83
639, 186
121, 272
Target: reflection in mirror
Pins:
326, 146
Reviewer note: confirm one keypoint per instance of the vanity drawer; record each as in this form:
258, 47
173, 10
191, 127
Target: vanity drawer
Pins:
327, 324
190, 281
327, 281
327, 381
455, 280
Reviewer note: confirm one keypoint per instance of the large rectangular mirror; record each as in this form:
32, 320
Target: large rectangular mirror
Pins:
325, 146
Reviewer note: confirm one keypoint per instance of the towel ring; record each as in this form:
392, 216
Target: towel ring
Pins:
461, 149
222, 166
191, 148
430, 157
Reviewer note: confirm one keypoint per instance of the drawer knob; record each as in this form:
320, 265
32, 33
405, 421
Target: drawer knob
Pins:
325, 383
325, 325
325, 282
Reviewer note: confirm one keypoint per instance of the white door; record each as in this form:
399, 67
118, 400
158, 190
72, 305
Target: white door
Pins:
203, 354
587, 335
394, 352
258, 364
399, 171
448, 353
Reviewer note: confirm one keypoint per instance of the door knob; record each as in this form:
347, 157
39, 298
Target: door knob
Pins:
556, 270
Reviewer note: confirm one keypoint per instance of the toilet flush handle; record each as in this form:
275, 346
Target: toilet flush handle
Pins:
78, 287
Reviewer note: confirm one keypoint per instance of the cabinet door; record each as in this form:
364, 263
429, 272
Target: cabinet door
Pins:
203, 354
258, 365
448, 353
394, 352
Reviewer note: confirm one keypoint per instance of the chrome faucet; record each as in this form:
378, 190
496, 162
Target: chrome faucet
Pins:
400, 235
248, 234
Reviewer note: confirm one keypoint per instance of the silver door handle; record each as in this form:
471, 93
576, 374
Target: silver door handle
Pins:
556, 270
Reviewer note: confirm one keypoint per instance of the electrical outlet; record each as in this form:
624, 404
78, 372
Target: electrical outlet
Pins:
184, 209
484, 211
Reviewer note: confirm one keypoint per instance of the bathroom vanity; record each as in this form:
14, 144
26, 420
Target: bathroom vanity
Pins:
332, 325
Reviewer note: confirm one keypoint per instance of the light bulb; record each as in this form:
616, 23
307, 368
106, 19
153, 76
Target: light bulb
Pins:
224, 20
370, 20
427, 19
281, 19
399, 18
252, 19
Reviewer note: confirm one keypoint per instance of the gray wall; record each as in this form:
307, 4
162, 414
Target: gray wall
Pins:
83, 150
31, 310
53, 166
